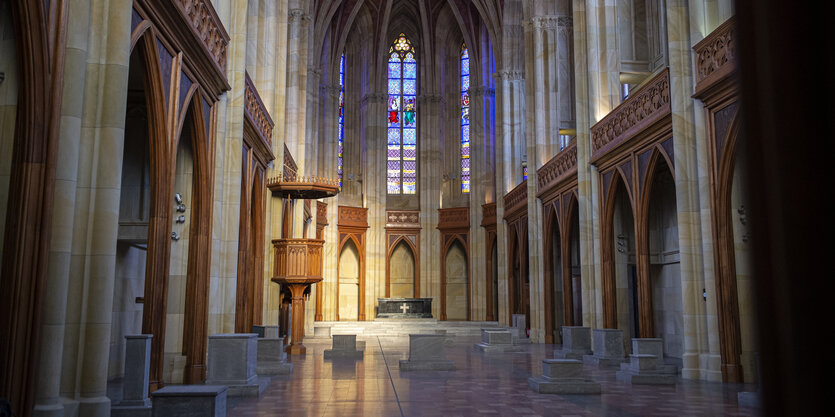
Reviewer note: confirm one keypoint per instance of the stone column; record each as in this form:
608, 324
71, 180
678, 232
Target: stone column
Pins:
482, 188
137, 374
48, 400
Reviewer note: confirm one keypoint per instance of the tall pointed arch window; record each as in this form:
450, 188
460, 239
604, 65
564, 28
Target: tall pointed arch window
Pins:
340, 133
402, 118
465, 119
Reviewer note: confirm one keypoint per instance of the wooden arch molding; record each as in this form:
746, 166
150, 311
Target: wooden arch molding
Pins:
518, 242
392, 245
40, 38
352, 224
616, 181
488, 222
558, 211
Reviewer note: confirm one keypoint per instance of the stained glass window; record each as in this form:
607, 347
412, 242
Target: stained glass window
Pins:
465, 120
401, 117
341, 125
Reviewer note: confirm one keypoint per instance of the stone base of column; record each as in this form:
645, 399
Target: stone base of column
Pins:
496, 341
643, 369
427, 353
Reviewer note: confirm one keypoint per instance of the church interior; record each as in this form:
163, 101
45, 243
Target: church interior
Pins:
414, 207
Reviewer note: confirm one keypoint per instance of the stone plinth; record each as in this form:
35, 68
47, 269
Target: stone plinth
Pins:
646, 364
519, 330
135, 401
496, 341
272, 359
576, 343
427, 353
653, 346
321, 332
190, 401
344, 346
608, 348
563, 376
266, 332
233, 361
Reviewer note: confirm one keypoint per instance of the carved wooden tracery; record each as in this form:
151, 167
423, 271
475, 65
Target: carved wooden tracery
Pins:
403, 226
352, 224
321, 222
454, 224
717, 87
256, 154
557, 188
627, 144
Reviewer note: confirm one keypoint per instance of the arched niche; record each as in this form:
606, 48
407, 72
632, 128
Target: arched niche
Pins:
456, 283
554, 285
349, 281
402, 270
662, 258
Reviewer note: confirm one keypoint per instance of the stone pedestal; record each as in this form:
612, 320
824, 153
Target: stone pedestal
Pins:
563, 376
272, 359
233, 362
519, 330
496, 341
344, 346
576, 343
135, 401
427, 353
190, 401
608, 348
654, 346
643, 369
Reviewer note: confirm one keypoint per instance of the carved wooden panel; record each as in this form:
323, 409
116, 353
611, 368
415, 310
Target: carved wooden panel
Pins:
298, 259
642, 109
409, 219
488, 215
353, 216
516, 201
256, 113
321, 213
562, 167
715, 57
454, 218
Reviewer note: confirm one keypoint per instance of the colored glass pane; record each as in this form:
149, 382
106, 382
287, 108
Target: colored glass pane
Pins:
401, 116
341, 120
465, 119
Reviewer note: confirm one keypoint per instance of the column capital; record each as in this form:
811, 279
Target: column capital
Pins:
298, 15
541, 22
510, 75
332, 90
482, 91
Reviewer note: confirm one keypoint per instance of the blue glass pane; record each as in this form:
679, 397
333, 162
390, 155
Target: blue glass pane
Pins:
409, 119
340, 131
409, 58
394, 136
465, 115
409, 87
394, 57
465, 54
394, 70
409, 152
465, 67
465, 82
408, 136
409, 103
394, 102
394, 86
409, 70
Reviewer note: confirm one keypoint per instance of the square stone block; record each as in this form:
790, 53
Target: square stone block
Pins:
427, 353
567, 386
232, 359
643, 362
190, 401
496, 337
272, 359
576, 342
426, 347
137, 371
608, 343
345, 342
519, 321
562, 368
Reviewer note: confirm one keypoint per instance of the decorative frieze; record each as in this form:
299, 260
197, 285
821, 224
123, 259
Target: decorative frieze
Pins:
516, 201
454, 218
481, 91
298, 259
510, 75
542, 22
321, 213
373, 98
715, 57
562, 166
203, 20
256, 113
643, 108
403, 219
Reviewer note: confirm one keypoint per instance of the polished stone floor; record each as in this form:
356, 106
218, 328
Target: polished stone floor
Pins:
483, 384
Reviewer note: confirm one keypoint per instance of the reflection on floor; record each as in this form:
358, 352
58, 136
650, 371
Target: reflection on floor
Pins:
494, 384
